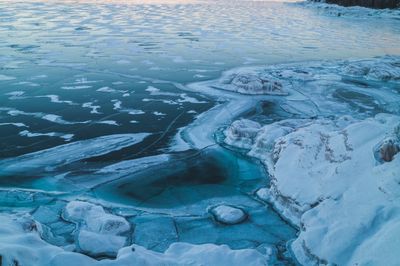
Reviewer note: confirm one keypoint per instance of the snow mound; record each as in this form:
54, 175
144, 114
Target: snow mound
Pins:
228, 214
99, 233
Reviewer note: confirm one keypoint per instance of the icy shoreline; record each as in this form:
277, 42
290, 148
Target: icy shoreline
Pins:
335, 177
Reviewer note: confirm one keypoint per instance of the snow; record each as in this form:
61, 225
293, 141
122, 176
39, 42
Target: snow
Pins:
326, 179
56, 99
253, 84
99, 233
187, 99
106, 89
27, 133
14, 124
228, 214
20, 243
117, 104
241, 133
49, 117
78, 87
152, 89
93, 107
108, 122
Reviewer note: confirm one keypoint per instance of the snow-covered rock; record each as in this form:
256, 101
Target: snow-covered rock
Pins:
251, 83
241, 133
388, 148
325, 178
228, 214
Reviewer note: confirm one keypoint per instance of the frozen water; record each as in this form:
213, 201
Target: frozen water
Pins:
68, 153
101, 74
228, 214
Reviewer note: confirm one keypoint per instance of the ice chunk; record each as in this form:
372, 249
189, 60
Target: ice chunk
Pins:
228, 214
27, 133
100, 233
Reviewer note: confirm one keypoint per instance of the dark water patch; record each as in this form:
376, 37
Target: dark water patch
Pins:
210, 174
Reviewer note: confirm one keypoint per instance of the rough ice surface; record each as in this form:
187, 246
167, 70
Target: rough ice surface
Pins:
18, 233
335, 177
242, 132
326, 179
98, 233
249, 83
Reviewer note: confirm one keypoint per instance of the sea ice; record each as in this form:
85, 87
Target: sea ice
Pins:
228, 214
99, 233
68, 153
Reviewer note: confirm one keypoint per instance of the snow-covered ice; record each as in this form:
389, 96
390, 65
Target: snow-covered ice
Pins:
325, 178
228, 214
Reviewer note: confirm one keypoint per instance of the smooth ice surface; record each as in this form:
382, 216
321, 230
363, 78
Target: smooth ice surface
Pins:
68, 153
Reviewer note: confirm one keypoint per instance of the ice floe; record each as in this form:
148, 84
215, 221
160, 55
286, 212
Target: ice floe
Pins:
49, 117
108, 122
77, 87
68, 153
14, 124
106, 89
56, 99
27, 133
94, 108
